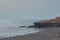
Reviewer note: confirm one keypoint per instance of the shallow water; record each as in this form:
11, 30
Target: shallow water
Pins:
13, 31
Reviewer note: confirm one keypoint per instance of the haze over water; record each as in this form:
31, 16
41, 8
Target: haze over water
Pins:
14, 13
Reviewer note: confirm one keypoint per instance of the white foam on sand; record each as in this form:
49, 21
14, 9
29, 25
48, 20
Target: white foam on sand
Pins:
13, 31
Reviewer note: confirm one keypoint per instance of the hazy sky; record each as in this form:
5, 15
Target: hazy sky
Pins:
28, 9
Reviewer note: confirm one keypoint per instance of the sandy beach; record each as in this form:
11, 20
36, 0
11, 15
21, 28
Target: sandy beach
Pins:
45, 34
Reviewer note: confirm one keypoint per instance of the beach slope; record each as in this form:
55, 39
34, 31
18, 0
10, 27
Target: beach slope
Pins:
46, 34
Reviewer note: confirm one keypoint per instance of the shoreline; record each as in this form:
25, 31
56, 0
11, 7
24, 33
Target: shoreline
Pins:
17, 37
46, 34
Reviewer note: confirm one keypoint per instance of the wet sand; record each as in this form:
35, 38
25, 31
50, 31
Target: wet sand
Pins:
46, 34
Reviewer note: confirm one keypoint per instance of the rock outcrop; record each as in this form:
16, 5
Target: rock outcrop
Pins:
48, 23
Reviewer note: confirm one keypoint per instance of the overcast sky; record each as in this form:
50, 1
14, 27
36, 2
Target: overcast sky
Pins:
28, 9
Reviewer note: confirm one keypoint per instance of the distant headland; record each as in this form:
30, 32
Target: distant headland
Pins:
46, 23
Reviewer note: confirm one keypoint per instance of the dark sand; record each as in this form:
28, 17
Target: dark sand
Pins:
46, 34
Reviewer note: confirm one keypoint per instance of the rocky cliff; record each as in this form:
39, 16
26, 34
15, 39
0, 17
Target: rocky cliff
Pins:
48, 23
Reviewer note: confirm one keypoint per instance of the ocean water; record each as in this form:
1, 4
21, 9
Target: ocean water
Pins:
10, 28
13, 31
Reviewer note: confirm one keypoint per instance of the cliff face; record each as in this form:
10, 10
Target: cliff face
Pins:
48, 23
